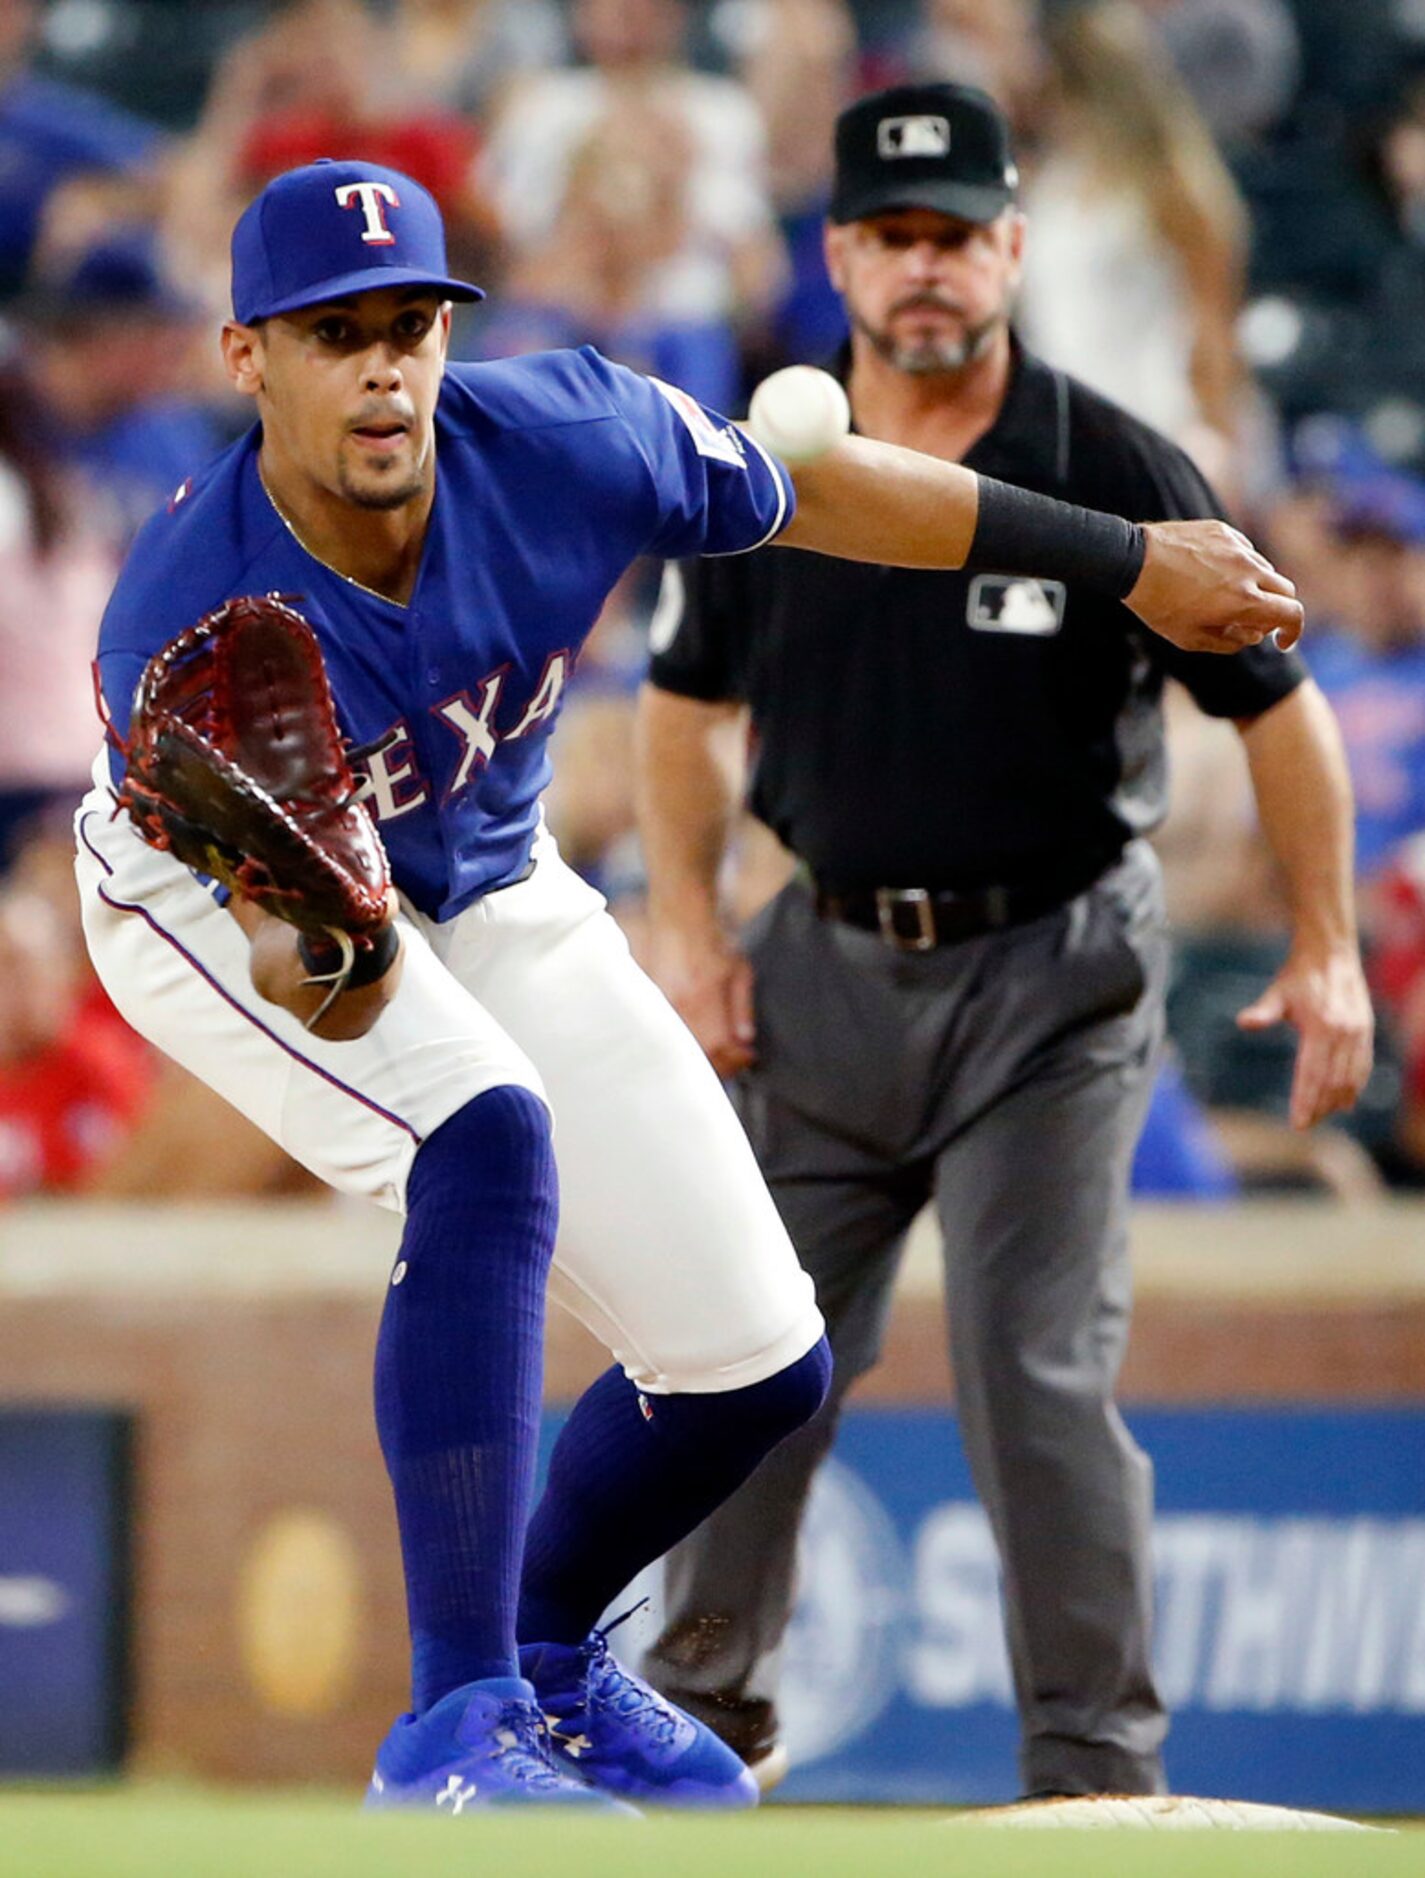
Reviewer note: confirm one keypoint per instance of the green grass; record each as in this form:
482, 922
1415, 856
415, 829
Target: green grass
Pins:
156, 1833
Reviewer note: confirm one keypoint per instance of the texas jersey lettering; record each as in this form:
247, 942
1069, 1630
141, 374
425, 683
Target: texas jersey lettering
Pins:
553, 473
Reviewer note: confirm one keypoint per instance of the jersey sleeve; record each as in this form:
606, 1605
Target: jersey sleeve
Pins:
143, 614
716, 490
159, 593
1170, 488
131, 631
118, 673
694, 636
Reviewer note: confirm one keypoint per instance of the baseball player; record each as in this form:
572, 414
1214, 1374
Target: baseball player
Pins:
451, 535
960, 997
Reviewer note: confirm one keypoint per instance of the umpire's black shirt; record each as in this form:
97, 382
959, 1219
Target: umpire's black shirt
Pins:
954, 730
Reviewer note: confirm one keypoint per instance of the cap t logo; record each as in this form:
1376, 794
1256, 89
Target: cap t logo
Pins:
370, 197
913, 137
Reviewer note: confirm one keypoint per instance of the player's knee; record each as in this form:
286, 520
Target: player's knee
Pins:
508, 1117
781, 1404
497, 1149
743, 1425
806, 1384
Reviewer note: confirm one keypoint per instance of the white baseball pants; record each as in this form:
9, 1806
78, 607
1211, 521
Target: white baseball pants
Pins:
670, 1249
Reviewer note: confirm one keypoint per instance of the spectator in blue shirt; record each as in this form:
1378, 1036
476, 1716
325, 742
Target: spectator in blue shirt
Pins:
49, 133
107, 348
1371, 663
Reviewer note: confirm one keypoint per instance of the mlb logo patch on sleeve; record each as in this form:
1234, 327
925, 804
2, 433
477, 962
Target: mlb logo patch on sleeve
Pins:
724, 445
1011, 603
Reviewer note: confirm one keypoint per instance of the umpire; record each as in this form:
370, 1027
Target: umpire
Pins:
959, 997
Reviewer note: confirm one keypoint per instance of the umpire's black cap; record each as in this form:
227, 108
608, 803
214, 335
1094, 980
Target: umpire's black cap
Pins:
942, 147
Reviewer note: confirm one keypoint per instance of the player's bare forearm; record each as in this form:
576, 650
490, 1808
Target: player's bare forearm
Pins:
1304, 801
872, 501
1202, 585
691, 770
280, 975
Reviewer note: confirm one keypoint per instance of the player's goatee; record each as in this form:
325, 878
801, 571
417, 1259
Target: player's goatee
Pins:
365, 496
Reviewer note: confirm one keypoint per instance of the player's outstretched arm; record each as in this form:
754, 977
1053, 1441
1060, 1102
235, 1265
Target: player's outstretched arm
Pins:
1201, 585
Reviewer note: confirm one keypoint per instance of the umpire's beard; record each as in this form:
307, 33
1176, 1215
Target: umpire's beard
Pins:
936, 356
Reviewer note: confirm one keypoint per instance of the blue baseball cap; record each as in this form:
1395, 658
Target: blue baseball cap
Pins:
1390, 503
117, 276
334, 228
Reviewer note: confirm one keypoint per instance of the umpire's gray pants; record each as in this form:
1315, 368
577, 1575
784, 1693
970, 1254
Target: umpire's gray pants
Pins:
1007, 1077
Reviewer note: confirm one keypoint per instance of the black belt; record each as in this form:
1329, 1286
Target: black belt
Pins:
917, 919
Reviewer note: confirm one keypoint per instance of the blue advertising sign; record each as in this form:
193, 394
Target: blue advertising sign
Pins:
1290, 1639
63, 1516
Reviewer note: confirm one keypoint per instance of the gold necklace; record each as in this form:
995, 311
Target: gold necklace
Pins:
291, 528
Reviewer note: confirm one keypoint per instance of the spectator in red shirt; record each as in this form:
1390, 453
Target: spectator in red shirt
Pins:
320, 78
71, 1090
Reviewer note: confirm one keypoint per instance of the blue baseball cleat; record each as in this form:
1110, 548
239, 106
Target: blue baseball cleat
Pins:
480, 1746
608, 1726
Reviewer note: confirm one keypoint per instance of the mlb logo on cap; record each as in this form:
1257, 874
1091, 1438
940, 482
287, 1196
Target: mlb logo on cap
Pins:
913, 136
937, 146
332, 229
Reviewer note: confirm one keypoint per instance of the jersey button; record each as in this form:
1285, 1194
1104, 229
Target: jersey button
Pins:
433, 678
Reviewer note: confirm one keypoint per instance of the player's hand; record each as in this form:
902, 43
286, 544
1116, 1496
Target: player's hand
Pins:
1205, 588
279, 974
709, 984
1325, 998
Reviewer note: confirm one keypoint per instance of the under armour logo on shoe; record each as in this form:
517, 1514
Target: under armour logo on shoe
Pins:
571, 1744
456, 1792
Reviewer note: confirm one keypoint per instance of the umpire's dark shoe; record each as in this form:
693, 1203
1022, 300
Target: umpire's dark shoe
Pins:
746, 1723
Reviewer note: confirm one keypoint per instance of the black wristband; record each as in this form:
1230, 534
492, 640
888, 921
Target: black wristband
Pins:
373, 961
1019, 532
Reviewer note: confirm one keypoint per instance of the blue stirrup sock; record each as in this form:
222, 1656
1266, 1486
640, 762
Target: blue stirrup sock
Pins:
458, 1378
631, 1474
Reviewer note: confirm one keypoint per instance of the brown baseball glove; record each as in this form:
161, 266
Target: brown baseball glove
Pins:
235, 764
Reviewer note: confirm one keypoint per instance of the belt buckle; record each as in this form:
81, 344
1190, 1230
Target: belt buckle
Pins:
889, 900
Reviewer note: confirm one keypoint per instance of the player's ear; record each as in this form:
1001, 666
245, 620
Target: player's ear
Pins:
242, 354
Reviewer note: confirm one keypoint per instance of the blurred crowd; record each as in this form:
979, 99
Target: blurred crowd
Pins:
1226, 204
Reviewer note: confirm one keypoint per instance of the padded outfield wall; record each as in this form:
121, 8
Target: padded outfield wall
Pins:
1277, 1372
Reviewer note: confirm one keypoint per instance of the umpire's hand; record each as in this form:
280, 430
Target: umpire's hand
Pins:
1206, 588
709, 984
1324, 997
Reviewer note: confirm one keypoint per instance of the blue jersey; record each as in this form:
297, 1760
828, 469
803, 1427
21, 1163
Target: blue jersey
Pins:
553, 473
1379, 701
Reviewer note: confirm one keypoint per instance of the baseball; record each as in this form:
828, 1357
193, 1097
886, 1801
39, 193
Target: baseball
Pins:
798, 413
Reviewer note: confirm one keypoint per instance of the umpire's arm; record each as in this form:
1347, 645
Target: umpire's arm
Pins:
1304, 802
691, 768
1307, 812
